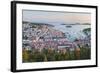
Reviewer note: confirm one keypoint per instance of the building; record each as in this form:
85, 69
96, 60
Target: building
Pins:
40, 36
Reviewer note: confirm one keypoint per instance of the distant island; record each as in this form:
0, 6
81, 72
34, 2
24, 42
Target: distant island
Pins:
77, 24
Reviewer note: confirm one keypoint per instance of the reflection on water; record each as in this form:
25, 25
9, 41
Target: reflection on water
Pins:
71, 31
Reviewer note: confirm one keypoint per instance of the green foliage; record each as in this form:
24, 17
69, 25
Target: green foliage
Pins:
85, 53
72, 55
26, 55
38, 57
53, 55
86, 31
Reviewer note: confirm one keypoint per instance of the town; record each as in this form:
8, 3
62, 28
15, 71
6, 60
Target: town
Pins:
41, 42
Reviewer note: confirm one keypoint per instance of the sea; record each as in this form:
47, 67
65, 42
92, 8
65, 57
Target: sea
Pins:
72, 31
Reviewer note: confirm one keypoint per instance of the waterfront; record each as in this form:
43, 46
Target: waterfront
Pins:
68, 41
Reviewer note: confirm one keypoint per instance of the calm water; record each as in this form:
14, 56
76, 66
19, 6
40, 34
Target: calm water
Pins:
71, 31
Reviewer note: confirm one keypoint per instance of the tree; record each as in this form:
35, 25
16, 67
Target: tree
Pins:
45, 58
25, 56
87, 31
39, 57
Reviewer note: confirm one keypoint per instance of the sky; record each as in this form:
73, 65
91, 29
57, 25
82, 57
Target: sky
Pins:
56, 17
